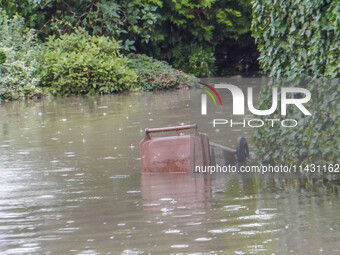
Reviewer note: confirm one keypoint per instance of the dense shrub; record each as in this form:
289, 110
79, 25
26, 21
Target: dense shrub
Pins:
168, 30
154, 74
299, 39
74, 63
78, 63
195, 36
199, 61
18, 61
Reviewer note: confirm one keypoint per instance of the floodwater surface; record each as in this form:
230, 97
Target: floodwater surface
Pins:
70, 183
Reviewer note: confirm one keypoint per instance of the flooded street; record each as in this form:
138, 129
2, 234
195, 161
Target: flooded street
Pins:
71, 184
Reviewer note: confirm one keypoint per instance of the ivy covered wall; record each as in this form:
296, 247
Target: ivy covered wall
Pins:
299, 42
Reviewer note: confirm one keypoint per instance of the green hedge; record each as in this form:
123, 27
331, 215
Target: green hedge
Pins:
78, 63
154, 74
75, 63
18, 59
300, 39
194, 36
315, 140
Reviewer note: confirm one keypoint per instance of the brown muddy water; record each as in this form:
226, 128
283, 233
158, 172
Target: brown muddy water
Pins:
70, 183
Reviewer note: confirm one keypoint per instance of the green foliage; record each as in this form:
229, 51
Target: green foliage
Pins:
191, 32
125, 20
18, 61
202, 62
154, 74
31, 10
298, 39
199, 61
78, 63
169, 30
316, 139
75, 63
2, 57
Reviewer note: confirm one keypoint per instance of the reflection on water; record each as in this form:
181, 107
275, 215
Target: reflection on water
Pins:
70, 184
